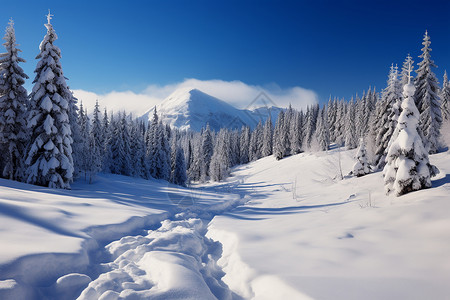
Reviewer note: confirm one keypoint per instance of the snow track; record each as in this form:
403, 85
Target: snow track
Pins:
175, 261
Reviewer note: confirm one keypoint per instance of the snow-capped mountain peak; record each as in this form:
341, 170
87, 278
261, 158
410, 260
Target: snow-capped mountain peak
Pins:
190, 108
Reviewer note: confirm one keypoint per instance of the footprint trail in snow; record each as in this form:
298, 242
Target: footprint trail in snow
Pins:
176, 261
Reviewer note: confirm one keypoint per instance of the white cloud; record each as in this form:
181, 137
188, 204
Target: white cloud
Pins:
236, 93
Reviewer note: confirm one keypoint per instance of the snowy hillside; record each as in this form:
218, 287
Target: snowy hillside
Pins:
189, 108
303, 234
287, 229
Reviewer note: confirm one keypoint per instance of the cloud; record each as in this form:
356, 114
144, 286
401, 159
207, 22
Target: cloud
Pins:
236, 93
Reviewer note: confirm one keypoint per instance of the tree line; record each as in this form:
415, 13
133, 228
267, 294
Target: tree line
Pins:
48, 139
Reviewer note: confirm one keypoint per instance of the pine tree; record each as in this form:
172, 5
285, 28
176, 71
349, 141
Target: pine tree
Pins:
427, 98
445, 98
390, 111
405, 71
322, 132
295, 133
361, 166
13, 105
121, 146
207, 150
179, 170
280, 137
331, 115
49, 156
407, 166
350, 126
84, 154
244, 145
267, 144
220, 161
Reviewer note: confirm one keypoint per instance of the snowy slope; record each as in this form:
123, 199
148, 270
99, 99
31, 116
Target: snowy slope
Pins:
48, 234
299, 233
304, 234
189, 108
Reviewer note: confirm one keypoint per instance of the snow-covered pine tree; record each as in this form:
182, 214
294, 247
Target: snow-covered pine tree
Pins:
445, 98
179, 171
207, 147
340, 122
220, 161
49, 157
139, 163
107, 131
280, 136
427, 98
322, 131
295, 132
255, 146
361, 166
267, 145
350, 126
390, 111
407, 166
84, 158
13, 106
405, 71
244, 145
331, 115
96, 144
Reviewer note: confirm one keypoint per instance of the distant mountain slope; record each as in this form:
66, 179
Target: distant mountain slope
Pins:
190, 108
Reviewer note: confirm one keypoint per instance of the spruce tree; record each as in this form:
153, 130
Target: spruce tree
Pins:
322, 132
390, 111
427, 98
280, 137
407, 165
361, 166
445, 98
244, 145
49, 156
350, 126
267, 146
13, 106
207, 149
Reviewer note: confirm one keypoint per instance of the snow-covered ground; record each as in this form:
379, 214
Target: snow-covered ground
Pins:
301, 234
304, 234
46, 234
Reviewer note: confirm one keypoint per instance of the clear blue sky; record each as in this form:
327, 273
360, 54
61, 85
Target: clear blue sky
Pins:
331, 47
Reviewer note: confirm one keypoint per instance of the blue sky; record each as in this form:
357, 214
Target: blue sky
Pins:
330, 47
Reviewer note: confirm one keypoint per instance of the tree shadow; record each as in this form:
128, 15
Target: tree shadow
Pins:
441, 181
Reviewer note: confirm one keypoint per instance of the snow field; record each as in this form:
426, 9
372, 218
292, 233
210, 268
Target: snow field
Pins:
55, 238
326, 238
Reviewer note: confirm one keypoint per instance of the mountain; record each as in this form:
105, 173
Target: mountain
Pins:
190, 108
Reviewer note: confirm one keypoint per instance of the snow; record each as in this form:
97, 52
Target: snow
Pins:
328, 239
298, 233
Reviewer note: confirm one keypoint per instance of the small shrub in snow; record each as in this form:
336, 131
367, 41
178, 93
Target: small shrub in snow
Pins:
361, 166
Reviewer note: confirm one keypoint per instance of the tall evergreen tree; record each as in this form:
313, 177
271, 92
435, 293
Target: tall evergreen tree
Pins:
267, 144
244, 145
407, 165
361, 166
445, 98
322, 131
427, 98
296, 133
207, 147
390, 111
49, 156
13, 105
280, 137
350, 126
